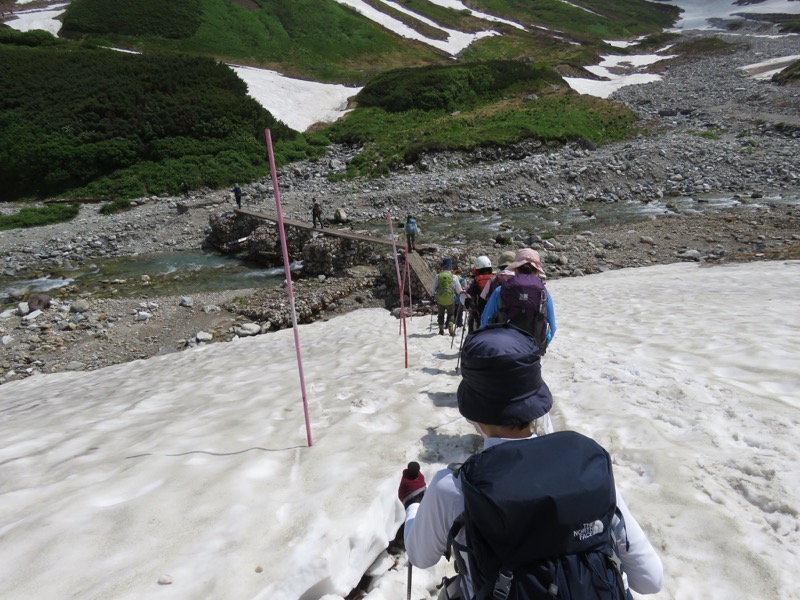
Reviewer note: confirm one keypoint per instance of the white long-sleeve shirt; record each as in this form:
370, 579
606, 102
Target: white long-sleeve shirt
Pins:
428, 525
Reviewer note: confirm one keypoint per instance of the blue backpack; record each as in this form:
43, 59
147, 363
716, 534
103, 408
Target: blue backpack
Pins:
411, 226
538, 521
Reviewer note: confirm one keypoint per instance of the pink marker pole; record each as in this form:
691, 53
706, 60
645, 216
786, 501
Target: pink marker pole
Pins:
400, 286
287, 270
407, 285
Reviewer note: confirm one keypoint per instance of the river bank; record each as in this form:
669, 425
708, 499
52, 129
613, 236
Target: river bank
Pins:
711, 128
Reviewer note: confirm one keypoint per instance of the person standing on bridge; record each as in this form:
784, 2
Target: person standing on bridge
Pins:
316, 214
237, 193
411, 229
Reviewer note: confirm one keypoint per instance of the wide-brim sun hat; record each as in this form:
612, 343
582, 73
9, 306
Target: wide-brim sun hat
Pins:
527, 256
505, 259
502, 377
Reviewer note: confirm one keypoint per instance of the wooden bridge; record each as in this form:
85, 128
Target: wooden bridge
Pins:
415, 263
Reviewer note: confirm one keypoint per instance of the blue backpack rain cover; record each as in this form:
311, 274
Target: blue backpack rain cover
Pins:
411, 226
537, 515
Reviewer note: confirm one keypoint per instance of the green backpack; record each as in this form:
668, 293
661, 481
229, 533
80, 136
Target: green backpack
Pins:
445, 295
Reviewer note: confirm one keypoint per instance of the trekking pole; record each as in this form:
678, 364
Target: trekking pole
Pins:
460, 346
408, 592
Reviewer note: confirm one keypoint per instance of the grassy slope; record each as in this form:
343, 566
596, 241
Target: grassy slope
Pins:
317, 39
326, 41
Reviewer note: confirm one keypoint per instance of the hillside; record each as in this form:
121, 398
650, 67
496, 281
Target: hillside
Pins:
89, 122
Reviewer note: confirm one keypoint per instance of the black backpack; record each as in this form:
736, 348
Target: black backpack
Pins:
523, 303
537, 517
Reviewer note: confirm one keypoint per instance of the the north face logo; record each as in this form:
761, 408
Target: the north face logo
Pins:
588, 530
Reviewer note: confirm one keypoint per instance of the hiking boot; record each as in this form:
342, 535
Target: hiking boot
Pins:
452, 330
441, 331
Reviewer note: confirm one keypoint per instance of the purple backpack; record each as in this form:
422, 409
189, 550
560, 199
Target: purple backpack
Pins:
523, 303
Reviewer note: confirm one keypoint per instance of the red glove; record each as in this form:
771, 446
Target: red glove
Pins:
412, 485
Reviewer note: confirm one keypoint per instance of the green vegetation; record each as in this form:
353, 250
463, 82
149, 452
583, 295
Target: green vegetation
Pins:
600, 19
79, 120
115, 206
709, 135
397, 138
453, 87
44, 215
706, 45
319, 39
790, 74
791, 27
174, 19
94, 122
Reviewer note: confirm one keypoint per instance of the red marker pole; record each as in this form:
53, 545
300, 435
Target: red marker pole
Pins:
400, 286
287, 270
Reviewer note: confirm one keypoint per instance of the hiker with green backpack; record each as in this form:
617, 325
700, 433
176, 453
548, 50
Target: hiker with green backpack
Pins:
529, 517
446, 288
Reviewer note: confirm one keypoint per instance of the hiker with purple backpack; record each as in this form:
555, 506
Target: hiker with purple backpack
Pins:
523, 300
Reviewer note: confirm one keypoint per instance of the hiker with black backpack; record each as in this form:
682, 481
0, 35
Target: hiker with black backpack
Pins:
529, 517
446, 288
523, 300
475, 303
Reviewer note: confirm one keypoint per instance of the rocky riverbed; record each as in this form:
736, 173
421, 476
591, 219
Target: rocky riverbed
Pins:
710, 129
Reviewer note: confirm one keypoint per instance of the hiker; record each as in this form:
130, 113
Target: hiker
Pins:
446, 288
529, 305
502, 393
461, 299
482, 275
411, 229
316, 215
185, 187
503, 275
237, 193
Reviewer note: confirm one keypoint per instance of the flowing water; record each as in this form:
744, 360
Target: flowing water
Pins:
168, 273
177, 273
450, 229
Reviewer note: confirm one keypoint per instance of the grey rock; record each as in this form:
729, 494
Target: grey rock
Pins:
247, 329
79, 306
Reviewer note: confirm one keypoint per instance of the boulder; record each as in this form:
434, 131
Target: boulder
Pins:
39, 301
247, 329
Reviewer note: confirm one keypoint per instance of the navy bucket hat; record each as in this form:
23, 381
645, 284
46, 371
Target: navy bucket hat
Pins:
502, 377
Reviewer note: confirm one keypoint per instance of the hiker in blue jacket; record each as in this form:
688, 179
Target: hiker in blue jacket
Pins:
411, 230
526, 260
502, 393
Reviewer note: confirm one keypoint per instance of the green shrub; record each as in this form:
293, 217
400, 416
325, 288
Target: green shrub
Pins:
174, 19
451, 87
98, 122
115, 206
36, 216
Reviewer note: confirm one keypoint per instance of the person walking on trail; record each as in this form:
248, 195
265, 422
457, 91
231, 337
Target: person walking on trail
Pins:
503, 275
316, 215
474, 302
519, 302
543, 516
411, 230
446, 288
237, 194
461, 298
